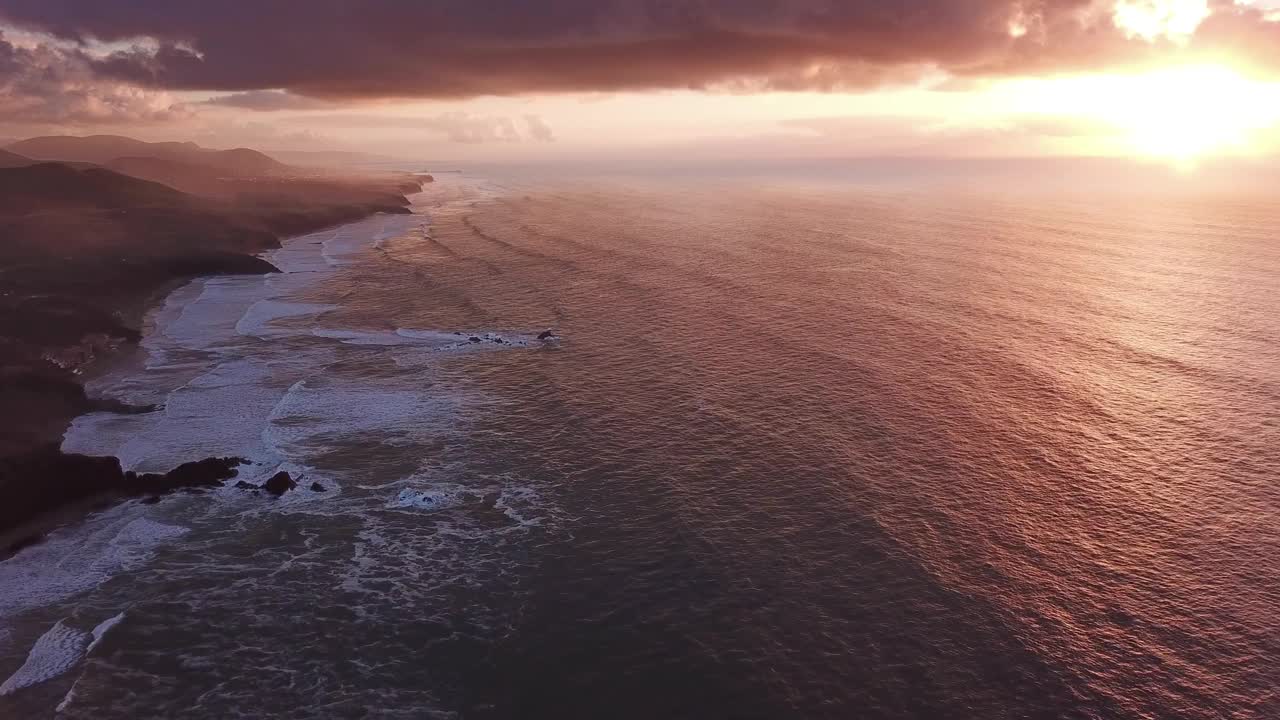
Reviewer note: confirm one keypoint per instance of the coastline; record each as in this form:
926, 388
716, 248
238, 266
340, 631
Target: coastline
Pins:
274, 369
45, 488
126, 357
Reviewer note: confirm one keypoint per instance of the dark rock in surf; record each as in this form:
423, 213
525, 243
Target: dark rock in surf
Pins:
473, 339
546, 335
242, 485
207, 473
46, 479
115, 406
279, 484
317, 487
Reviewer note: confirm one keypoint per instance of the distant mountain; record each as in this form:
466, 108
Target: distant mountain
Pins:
58, 208
186, 176
58, 188
105, 149
12, 160
98, 149
242, 161
329, 158
284, 203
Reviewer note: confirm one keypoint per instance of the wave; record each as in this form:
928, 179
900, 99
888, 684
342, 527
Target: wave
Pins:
56, 652
431, 499
258, 319
76, 559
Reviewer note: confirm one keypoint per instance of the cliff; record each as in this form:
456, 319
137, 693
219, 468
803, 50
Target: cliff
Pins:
85, 249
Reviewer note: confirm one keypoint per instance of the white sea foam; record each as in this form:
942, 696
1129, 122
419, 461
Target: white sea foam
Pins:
301, 499
339, 248
349, 241
315, 415
457, 341
142, 534
522, 504
76, 559
102, 629
209, 321
362, 337
257, 320
56, 652
462, 339
418, 231
216, 394
440, 337
300, 256
220, 412
441, 497
98, 633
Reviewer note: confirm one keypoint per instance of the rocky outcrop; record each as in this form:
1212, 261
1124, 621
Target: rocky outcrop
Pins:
47, 479
112, 405
280, 483
207, 473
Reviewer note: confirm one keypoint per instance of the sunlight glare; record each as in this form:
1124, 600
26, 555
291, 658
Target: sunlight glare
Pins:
1153, 19
1187, 112
1178, 113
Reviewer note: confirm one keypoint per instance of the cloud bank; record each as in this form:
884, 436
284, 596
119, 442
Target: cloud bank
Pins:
454, 127
41, 83
343, 49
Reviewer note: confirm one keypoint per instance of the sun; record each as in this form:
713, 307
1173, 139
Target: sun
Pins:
1185, 113
1179, 113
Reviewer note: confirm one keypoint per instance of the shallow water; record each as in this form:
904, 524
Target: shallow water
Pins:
801, 451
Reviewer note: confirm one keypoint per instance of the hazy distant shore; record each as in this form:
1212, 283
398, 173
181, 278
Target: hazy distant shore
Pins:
88, 250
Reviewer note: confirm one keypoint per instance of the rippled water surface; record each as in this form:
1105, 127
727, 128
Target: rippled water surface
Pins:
801, 450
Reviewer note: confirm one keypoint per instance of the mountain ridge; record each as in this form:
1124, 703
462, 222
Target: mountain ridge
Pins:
105, 149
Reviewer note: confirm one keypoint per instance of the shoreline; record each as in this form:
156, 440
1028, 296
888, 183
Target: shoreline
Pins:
22, 470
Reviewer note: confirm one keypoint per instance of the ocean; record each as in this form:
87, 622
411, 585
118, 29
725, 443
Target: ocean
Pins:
801, 448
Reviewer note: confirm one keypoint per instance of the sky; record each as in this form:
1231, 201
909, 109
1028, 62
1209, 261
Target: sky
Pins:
543, 80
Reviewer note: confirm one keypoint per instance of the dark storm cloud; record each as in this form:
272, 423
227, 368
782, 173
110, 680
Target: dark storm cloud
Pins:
458, 48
